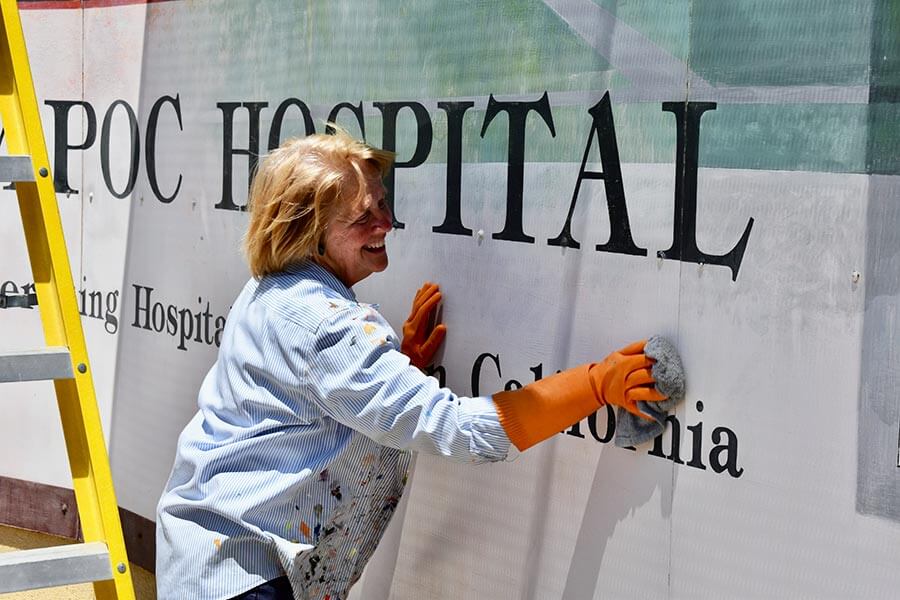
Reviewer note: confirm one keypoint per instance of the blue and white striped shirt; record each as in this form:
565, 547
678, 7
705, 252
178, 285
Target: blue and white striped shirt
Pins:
298, 455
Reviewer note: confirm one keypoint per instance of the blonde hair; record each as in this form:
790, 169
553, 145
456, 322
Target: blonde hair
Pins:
296, 190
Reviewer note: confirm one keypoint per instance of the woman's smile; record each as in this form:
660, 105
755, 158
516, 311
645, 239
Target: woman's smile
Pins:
376, 247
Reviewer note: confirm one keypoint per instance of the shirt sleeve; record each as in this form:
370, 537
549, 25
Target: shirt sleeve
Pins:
359, 377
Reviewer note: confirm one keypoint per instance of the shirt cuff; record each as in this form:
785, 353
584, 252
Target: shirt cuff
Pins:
489, 441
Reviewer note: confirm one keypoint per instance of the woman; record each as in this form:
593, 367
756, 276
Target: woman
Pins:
287, 476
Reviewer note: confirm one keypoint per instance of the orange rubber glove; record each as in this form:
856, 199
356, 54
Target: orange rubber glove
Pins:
420, 340
546, 407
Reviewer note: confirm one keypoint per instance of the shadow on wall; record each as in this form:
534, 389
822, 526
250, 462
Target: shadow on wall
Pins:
878, 473
878, 442
635, 486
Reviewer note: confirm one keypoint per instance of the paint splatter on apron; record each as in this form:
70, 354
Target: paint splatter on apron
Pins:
349, 536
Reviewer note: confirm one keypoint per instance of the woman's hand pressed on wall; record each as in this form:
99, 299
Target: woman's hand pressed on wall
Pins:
420, 341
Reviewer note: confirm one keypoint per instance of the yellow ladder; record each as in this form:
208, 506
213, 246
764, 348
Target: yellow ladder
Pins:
101, 558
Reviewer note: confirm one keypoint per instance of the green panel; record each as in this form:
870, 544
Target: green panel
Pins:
329, 52
786, 137
791, 137
389, 50
883, 152
886, 50
884, 138
781, 42
829, 138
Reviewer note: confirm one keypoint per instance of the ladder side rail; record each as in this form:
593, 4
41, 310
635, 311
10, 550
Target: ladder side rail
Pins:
85, 443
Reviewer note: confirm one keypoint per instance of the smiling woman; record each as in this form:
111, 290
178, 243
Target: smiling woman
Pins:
321, 193
353, 245
286, 478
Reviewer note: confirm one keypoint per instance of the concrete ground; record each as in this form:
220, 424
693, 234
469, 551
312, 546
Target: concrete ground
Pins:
20, 539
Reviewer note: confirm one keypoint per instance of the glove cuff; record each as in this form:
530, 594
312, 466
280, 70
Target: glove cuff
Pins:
546, 407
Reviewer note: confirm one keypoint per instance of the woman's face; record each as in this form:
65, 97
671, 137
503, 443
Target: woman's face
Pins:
355, 236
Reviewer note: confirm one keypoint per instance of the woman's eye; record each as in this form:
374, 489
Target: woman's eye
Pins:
363, 219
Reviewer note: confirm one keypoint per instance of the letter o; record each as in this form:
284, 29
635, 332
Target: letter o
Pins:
134, 165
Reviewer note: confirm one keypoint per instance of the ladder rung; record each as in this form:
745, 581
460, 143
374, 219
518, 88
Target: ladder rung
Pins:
57, 565
36, 365
16, 168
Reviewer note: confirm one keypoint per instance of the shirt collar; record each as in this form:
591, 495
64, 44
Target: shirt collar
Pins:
313, 270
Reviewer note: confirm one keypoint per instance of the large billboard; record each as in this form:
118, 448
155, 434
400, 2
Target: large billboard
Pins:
575, 174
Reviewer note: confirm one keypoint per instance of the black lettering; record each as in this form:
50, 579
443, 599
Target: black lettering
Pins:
111, 323
356, 109
197, 327
186, 322
730, 449
159, 317
171, 320
697, 442
476, 370
150, 146
220, 327
438, 372
389, 111
278, 121
620, 240
675, 448
575, 430
61, 145
517, 113
228, 149
207, 334
452, 218
610, 425
138, 308
696, 446
96, 311
684, 236
134, 164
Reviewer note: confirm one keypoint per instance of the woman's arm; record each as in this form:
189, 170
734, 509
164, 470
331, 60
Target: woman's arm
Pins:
359, 377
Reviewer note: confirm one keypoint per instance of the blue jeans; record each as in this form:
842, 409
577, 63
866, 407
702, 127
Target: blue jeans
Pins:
277, 589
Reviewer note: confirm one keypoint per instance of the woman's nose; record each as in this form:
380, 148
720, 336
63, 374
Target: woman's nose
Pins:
385, 219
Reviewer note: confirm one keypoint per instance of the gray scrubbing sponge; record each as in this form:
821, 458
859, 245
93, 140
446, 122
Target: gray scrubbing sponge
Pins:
668, 372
